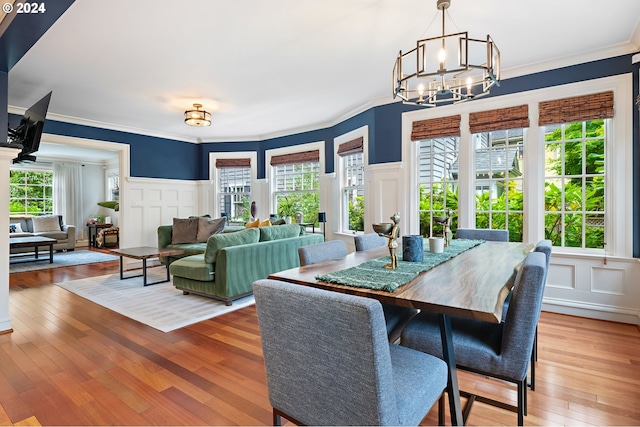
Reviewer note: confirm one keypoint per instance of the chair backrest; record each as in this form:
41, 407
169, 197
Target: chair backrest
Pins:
519, 328
326, 355
483, 234
331, 249
368, 241
545, 246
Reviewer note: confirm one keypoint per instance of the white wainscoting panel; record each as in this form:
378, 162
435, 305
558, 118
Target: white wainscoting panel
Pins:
154, 202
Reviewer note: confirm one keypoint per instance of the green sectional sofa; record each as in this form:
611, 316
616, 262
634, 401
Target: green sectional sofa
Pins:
231, 262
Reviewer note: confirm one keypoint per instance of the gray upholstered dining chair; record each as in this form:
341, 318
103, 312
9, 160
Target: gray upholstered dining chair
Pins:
498, 350
396, 317
483, 234
328, 360
369, 241
318, 252
543, 246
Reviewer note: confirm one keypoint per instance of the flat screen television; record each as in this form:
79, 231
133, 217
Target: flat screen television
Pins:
29, 131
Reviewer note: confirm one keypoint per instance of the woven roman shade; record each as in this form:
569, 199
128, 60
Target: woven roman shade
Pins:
435, 128
500, 119
576, 109
351, 147
301, 157
233, 163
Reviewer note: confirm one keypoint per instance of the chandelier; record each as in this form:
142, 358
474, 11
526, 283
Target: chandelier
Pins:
449, 68
197, 117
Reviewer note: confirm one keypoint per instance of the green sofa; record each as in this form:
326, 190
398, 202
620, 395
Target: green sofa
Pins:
165, 233
231, 262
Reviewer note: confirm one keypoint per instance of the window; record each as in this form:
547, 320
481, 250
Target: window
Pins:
499, 181
296, 190
438, 183
350, 166
234, 188
575, 184
31, 192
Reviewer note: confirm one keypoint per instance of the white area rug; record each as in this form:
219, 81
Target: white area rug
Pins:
60, 259
160, 306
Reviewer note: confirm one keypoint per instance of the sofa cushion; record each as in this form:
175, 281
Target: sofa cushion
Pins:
15, 228
221, 241
193, 267
185, 230
208, 227
279, 232
58, 235
46, 223
188, 248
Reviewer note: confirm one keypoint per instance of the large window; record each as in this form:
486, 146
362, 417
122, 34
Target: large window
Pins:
31, 192
438, 183
499, 184
234, 188
296, 185
575, 184
350, 162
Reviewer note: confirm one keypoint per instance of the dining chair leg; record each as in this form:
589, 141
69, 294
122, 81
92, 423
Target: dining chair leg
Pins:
522, 401
276, 419
532, 386
441, 410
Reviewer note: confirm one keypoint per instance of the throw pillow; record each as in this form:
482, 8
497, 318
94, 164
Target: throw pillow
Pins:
15, 228
265, 223
185, 230
225, 240
208, 227
279, 232
253, 224
277, 221
46, 223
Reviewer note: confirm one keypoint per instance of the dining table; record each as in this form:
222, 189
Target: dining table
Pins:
473, 284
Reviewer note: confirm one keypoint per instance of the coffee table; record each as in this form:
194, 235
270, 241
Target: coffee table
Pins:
144, 253
33, 242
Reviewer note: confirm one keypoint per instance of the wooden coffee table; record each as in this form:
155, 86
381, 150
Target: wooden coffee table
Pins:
33, 242
144, 253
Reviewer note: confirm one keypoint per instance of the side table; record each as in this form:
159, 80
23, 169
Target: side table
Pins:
93, 232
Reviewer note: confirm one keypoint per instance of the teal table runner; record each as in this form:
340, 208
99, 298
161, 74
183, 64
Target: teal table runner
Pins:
372, 274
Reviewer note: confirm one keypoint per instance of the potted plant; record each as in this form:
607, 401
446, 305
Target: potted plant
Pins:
286, 208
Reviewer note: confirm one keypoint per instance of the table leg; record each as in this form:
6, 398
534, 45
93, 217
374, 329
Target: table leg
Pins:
144, 272
51, 253
36, 252
452, 386
168, 263
121, 261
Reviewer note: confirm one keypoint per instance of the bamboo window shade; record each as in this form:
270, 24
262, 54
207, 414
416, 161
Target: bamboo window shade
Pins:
300, 157
435, 128
499, 119
576, 109
233, 163
351, 147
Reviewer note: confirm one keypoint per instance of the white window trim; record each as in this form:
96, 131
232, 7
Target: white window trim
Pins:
269, 170
619, 206
214, 177
339, 168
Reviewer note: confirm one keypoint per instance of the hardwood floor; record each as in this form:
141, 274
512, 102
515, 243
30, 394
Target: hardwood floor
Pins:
72, 362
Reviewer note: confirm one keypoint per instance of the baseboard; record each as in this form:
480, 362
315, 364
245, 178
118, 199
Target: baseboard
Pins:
592, 311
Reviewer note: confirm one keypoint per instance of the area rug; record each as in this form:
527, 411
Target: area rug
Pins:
60, 259
160, 306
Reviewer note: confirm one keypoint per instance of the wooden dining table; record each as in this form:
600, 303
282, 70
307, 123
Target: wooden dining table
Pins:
473, 284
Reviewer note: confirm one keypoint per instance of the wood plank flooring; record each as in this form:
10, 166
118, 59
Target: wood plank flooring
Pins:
72, 362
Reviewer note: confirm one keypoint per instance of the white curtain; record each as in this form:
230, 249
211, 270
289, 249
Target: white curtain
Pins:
67, 195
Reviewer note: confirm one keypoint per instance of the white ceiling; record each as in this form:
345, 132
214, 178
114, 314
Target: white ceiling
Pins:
270, 68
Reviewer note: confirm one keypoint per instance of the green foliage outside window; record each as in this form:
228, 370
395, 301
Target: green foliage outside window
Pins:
31, 193
356, 214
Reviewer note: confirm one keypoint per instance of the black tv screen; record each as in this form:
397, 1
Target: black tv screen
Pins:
29, 131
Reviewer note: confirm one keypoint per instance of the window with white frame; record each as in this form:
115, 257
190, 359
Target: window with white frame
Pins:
566, 180
296, 185
351, 172
575, 184
499, 170
31, 192
438, 183
234, 188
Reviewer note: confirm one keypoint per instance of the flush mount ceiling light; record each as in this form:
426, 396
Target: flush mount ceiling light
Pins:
197, 117
449, 68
